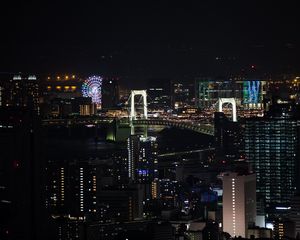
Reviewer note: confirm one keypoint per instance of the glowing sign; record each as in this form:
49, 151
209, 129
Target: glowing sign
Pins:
251, 90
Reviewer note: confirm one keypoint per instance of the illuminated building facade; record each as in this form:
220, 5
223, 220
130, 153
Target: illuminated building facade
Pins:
159, 93
272, 149
249, 94
22, 91
67, 86
167, 193
142, 163
142, 159
60, 96
239, 203
183, 95
121, 204
72, 190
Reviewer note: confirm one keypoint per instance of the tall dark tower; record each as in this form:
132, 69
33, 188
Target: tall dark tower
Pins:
24, 92
20, 175
229, 141
272, 149
110, 93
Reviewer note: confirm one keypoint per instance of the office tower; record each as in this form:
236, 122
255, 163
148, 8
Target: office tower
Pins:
142, 164
229, 139
271, 147
20, 175
183, 95
71, 190
121, 205
110, 93
249, 93
24, 92
142, 159
64, 87
167, 193
62, 96
1, 96
158, 91
295, 214
120, 163
239, 203
4, 89
283, 229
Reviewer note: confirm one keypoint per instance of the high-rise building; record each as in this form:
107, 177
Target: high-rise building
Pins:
142, 159
23, 91
158, 92
283, 229
168, 193
229, 139
272, 149
142, 164
110, 93
120, 163
62, 96
295, 214
249, 93
239, 203
121, 204
183, 95
21, 165
71, 190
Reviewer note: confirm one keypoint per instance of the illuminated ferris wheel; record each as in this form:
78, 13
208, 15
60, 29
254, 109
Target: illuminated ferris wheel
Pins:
92, 87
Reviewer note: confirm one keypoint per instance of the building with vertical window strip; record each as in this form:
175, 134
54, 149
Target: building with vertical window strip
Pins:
71, 190
142, 159
239, 203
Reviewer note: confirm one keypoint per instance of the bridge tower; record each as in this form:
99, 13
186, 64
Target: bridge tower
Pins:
232, 101
132, 114
143, 94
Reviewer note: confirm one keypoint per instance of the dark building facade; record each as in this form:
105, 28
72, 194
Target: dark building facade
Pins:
20, 175
110, 93
272, 149
20, 91
229, 140
159, 93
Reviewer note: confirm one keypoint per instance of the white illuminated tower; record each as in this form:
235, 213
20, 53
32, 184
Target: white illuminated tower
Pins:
233, 105
239, 203
143, 94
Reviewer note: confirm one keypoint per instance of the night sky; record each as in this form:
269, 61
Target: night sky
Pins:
150, 40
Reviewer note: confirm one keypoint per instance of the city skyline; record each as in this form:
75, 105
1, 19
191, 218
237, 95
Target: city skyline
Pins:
150, 120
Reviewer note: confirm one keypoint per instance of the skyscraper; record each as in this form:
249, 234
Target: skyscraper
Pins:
71, 190
24, 92
229, 141
239, 203
20, 174
158, 91
295, 214
142, 159
110, 92
142, 163
272, 149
